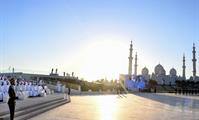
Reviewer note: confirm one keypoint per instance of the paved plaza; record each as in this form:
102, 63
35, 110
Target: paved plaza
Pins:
139, 106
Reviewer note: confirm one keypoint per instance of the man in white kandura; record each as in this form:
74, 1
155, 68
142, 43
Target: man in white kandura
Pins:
1, 92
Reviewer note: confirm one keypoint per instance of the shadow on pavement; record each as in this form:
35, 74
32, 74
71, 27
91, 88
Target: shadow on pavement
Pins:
171, 100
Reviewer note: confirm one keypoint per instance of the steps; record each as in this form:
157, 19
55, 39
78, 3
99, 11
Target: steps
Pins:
30, 111
164, 89
169, 89
160, 89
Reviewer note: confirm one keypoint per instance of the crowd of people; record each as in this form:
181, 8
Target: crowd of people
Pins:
137, 83
23, 89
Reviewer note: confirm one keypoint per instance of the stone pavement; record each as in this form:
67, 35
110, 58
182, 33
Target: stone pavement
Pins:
139, 106
30, 102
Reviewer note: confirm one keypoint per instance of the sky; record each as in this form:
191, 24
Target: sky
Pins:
91, 37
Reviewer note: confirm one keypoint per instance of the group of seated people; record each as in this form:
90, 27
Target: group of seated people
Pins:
22, 88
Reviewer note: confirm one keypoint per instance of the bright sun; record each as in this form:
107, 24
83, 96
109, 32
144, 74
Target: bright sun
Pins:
103, 59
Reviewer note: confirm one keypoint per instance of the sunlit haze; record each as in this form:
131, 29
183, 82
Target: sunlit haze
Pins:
91, 37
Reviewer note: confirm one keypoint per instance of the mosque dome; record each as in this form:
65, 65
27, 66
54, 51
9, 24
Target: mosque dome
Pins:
159, 70
173, 72
145, 71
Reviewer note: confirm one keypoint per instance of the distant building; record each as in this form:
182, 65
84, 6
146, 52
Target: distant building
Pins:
30, 77
159, 73
145, 74
160, 76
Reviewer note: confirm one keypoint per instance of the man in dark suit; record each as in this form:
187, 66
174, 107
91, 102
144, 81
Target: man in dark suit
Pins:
68, 90
12, 98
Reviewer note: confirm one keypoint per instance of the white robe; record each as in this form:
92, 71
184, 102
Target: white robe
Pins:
1, 81
20, 87
23, 87
58, 87
1, 88
1, 96
1, 92
17, 88
5, 82
5, 97
40, 91
47, 90
35, 93
26, 87
31, 91
5, 89
40, 82
63, 89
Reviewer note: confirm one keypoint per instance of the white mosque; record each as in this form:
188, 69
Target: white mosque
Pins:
160, 76
159, 73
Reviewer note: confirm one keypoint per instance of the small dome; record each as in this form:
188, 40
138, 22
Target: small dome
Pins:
145, 71
173, 72
159, 70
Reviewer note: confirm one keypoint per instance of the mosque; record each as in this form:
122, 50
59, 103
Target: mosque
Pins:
159, 73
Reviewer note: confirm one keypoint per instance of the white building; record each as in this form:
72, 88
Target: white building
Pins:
160, 76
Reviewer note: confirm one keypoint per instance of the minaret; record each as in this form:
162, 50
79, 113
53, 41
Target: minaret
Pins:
130, 60
136, 65
194, 61
183, 67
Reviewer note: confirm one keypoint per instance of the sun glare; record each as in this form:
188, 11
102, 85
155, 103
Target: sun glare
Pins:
107, 107
103, 59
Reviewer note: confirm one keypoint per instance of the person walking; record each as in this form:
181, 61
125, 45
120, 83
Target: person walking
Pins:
12, 98
118, 87
68, 90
